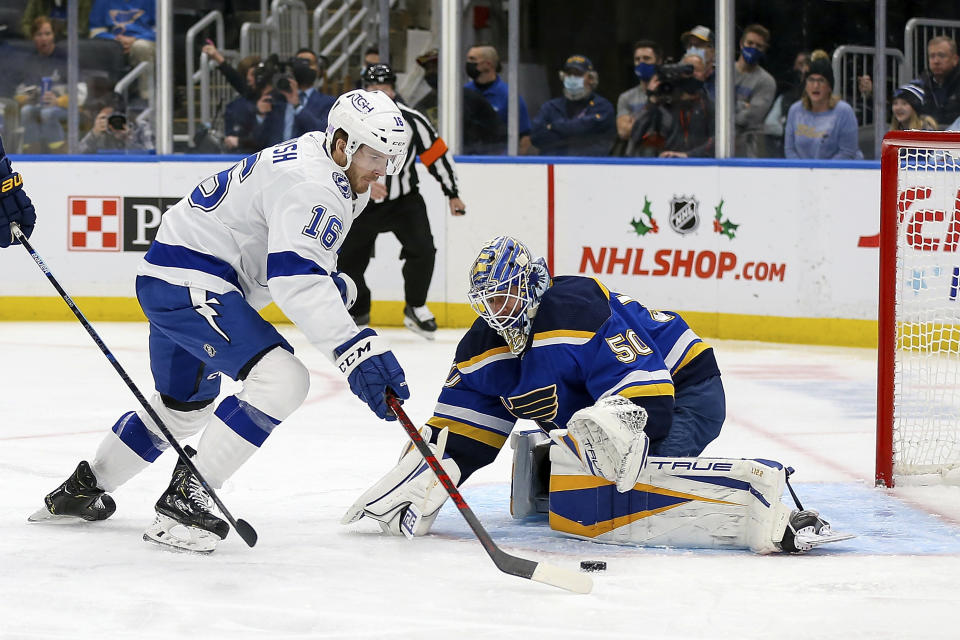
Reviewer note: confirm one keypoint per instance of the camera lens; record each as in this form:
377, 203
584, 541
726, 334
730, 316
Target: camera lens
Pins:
117, 121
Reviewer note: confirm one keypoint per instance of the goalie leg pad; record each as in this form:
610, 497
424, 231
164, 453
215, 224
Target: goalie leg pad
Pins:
409, 488
530, 477
680, 502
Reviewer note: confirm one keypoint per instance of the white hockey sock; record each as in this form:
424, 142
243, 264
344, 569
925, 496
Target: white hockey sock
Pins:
115, 463
221, 452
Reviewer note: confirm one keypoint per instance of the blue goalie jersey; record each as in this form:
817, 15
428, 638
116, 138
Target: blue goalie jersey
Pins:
587, 342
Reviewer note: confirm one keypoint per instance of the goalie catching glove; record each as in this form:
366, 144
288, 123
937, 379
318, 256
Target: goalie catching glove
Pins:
408, 498
609, 440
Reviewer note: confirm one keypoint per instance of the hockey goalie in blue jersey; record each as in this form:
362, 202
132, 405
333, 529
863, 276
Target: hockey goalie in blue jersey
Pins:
266, 230
625, 398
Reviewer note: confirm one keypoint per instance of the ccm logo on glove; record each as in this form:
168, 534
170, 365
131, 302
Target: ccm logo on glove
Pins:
363, 350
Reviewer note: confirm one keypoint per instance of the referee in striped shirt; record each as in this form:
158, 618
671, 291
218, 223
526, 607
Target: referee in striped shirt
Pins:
397, 206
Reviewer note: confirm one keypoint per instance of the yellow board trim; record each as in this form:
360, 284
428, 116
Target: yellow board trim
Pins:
488, 438
725, 326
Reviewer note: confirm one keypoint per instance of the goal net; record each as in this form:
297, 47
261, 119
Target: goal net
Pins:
918, 386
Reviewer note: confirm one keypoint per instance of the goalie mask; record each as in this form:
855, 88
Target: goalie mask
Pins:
506, 286
376, 131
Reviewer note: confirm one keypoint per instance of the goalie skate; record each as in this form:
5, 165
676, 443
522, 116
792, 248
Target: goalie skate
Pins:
807, 530
184, 520
78, 498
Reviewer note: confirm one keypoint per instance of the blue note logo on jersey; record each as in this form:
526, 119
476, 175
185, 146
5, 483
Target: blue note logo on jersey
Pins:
539, 404
684, 214
342, 183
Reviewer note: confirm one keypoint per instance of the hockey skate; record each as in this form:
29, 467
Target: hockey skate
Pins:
184, 521
806, 530
77, 498
420, 320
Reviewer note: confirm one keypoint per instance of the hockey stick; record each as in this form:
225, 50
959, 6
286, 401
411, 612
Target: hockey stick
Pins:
536, 571
244, 530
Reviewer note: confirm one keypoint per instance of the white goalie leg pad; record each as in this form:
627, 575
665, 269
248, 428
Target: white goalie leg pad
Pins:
677, 502
274, 388
410, 487
609, 440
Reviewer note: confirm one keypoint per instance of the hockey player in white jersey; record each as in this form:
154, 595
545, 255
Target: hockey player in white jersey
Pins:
624, 396
265, 230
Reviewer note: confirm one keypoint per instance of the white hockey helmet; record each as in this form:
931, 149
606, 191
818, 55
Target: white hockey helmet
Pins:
370, 118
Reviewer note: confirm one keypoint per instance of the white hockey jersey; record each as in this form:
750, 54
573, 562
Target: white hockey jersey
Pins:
269, 227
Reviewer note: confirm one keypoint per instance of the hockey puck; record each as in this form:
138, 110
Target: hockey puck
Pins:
593, 565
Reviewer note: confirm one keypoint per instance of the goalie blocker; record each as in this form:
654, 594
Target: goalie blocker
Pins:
678, 502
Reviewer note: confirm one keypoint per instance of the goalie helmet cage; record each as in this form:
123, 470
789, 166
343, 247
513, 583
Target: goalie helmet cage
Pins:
918, 356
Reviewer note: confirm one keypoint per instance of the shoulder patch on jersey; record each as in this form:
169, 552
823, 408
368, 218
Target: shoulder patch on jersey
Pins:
660, 316
342, 183
574, 304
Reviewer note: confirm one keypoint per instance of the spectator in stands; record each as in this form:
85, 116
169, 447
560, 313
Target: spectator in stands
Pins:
245, 117
940, 82
820, 125
677, 121
699, 40
56, 10
791, 88
906, 110
646, 56
580, 122
755, 90
483, 132
113, 133
313, 105
238, 78
42, 91
483, 68
132, 23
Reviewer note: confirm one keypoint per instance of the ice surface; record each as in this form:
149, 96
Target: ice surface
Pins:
309, 577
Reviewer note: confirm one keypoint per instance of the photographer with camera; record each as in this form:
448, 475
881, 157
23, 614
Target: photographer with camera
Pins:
578, 123
113, 133
677, 121
276, 109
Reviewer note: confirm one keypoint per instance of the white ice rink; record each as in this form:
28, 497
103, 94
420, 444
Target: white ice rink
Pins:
308, 577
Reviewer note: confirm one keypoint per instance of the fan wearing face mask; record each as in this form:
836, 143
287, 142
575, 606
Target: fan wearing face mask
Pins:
755, 89
580, 122
646, 56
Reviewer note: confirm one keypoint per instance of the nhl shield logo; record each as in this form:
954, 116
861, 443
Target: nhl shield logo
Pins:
684, 214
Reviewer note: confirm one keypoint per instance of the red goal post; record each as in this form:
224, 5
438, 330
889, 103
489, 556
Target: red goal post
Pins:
918, 372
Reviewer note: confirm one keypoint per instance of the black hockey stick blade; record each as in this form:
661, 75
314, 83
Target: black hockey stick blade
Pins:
513, 565
244, 530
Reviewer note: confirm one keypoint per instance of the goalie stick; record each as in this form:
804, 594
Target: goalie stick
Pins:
243, 528
520, 567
